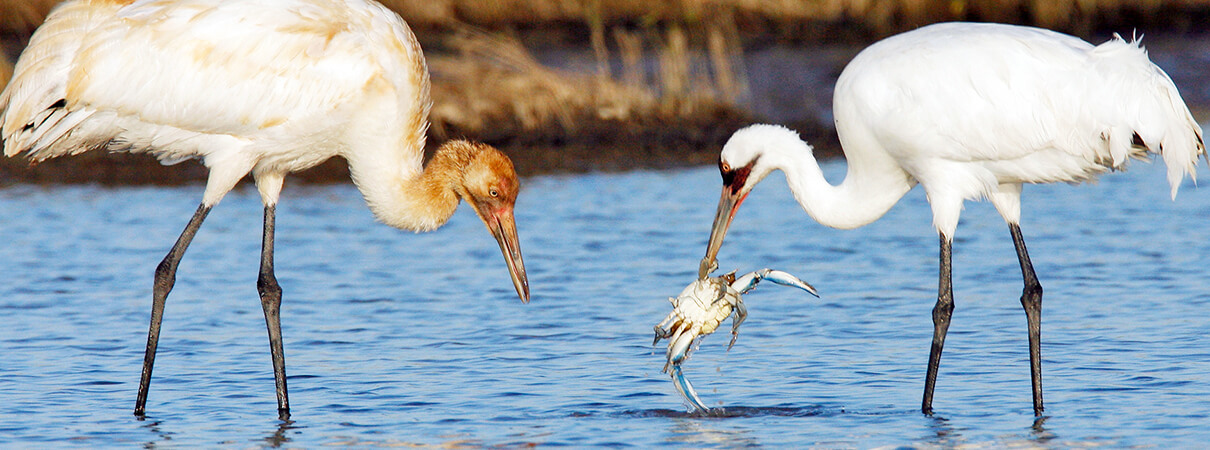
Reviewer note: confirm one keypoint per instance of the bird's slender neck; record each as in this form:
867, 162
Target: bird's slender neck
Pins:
873, 184
403, 195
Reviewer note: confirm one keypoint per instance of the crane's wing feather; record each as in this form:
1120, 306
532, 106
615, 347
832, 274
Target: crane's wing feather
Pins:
960, 94
1033, 105
159, 73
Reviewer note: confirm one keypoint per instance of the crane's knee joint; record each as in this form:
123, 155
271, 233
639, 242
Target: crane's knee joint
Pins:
943, 310
268, 288
1031, 296
164, 269
165, 278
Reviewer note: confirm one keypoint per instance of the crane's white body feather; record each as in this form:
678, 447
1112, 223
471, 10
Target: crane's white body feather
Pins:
265, 87
972, 111
268, 87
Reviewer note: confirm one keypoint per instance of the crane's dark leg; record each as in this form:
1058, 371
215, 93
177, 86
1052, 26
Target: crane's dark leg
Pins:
941, 323
1031, 300
165, 278
270, 300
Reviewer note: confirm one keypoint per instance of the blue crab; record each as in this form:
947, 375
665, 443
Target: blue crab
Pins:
701, 308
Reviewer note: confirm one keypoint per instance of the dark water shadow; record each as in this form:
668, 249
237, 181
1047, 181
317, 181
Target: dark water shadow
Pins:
1039, 433
154, 428
946, 434
280, 435
736, 412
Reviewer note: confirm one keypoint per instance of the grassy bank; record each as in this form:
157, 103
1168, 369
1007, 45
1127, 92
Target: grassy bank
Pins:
883, 16
666, 89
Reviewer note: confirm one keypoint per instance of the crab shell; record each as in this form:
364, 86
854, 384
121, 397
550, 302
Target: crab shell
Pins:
707, 303
698, 311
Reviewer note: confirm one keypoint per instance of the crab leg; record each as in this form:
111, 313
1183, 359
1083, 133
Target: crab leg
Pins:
686, 390
679, 345
662, 330
748, 282
741, 313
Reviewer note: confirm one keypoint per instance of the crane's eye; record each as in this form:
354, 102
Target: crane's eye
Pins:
725, 167
493, 193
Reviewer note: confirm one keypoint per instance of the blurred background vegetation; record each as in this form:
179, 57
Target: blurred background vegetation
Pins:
579, 85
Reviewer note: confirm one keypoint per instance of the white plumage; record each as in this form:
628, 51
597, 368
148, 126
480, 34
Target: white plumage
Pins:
266, 87
971, 111
294, 83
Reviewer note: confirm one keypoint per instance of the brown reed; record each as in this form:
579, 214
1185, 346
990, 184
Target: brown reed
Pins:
22, 16
881, 16
491, 86
6, 72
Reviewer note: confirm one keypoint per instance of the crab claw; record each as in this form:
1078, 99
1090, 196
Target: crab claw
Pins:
678, 350
786, 279
686, 390
748, 282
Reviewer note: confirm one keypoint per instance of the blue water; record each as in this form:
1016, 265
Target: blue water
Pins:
396, 339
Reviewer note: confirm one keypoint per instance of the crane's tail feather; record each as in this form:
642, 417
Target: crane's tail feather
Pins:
55, 131
36, 117
1146, 109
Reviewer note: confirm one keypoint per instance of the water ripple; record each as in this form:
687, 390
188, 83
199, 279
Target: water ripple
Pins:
396, 339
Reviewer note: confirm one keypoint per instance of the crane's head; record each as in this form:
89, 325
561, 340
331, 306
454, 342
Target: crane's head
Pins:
741, 167
489, 184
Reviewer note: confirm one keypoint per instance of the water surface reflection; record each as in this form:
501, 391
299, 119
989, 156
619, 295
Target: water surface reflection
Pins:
402, 339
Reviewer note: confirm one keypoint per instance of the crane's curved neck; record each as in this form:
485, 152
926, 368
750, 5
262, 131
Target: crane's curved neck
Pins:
404, 195
873, 184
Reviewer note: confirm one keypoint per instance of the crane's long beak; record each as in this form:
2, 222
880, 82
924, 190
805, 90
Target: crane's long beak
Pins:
728, 204
504, 228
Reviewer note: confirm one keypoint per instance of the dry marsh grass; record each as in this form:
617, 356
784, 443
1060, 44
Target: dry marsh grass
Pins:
664, 90
6, 72
492, 78
881, 16
21, 16
490, 87
491, 84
